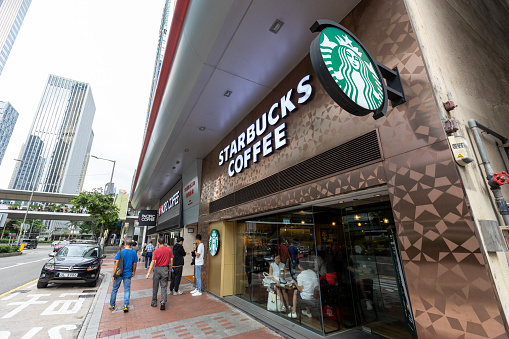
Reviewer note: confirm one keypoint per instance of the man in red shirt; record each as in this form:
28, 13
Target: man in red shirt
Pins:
163, 261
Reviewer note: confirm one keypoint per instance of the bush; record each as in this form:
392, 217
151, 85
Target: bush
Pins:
8, 249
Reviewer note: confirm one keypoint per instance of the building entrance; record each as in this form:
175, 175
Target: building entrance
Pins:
327, 268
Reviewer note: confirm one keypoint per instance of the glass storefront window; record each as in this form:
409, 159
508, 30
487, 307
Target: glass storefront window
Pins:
325, 268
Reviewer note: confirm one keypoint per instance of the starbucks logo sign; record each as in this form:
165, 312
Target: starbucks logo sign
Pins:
214, 242
347, 71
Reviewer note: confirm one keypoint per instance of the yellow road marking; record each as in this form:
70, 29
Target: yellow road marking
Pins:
17, 288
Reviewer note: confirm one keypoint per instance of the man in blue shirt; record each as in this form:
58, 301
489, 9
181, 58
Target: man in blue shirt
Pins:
130, 261
150, 252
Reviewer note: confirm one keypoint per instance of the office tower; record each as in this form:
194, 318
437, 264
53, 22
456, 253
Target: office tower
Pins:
12, 13
169, 8
55, 155
8, 118
109, 188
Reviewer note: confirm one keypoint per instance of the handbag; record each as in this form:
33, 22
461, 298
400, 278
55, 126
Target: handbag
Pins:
119, 271
144, 253
266, 279
274, 302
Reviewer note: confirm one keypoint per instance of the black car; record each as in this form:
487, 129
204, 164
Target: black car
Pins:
74, 263
30, 243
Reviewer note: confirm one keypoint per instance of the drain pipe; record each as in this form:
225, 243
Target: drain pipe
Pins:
495, 187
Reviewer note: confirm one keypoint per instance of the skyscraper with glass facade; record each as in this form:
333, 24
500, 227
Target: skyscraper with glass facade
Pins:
55, 155
8, 118
169, 8
12, 13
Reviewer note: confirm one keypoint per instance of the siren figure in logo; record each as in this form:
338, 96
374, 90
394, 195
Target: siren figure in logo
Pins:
354, 75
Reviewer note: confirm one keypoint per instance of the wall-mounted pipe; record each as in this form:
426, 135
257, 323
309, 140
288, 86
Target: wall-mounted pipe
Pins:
495, 188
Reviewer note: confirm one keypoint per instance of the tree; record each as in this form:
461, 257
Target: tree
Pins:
12, 226
100, 207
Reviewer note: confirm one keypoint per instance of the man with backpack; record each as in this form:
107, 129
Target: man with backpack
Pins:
178, 264
123, 270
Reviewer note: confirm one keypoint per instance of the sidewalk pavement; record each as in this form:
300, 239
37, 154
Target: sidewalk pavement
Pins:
185, 316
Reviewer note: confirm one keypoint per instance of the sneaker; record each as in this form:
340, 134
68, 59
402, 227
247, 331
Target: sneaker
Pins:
197, 294
283, 309
194, 291
111, 308
305, 312
126, 308
175, 293
369, 305
153, 304
292, 315
163, 307
180, 292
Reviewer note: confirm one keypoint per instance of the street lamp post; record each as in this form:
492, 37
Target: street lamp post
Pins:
112, 171
31, 196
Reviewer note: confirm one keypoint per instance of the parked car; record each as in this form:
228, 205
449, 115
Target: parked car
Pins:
74, 263
30, 243
60, 245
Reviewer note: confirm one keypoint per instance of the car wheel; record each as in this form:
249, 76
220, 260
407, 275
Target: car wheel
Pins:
92, 284
41, 284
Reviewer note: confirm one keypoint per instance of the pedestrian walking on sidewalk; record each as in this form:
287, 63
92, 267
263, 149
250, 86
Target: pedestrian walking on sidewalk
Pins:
148, 255
163, 261
178, 264
198, 264
130, 260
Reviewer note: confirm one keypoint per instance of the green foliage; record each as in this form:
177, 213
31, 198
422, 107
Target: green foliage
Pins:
8, 249
100, 207
13, 206
13, 226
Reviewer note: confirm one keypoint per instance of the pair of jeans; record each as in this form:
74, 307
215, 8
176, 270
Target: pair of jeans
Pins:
127, 290
198, 277
148, 259
175, 278
160, 278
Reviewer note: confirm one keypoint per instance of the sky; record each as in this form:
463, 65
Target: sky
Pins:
110, 44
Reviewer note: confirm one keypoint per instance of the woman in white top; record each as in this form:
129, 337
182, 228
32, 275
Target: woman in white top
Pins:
277, 274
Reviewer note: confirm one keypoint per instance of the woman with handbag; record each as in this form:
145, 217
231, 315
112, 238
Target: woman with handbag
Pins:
277, 275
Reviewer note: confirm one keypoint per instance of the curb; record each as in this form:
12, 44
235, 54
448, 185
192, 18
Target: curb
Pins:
90, 326
10, 254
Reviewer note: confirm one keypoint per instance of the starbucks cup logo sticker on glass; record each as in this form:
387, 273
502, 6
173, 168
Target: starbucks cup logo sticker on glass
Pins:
214, 242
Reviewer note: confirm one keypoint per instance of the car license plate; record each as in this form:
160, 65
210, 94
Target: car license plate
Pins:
68, 275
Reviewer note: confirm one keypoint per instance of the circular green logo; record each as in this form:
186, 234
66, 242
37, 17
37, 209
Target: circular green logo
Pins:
214, 242
349, 66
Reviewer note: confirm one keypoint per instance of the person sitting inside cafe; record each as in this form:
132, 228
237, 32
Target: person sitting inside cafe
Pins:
306, 283
277, 275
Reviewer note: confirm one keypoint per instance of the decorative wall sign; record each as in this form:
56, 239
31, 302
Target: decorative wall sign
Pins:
214, 242
147, 218
349, 74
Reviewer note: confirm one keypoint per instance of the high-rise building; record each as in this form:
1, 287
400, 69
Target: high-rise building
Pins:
109, 188
12, 13
8, 118
169, 8
55, 155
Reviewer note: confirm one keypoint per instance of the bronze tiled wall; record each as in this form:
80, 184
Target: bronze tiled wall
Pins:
449, 286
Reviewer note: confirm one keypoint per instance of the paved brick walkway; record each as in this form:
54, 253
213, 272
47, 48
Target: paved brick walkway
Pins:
185, 316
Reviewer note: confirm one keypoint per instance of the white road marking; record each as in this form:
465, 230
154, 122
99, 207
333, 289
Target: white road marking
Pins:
25, 304
68, 294
66, 307
54, 333
21, 263
30, 334
10, 296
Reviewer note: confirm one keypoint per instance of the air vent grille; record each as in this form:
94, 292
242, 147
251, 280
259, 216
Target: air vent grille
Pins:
353, 153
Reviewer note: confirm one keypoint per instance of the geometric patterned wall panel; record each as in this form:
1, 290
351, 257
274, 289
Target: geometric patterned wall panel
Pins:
450, 288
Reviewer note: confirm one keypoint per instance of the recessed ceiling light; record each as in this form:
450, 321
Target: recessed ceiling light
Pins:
276, 26
178, 162
202, 128
186, 150
174, 167
227, 93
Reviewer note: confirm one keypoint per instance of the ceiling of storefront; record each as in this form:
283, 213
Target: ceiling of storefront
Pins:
224, 46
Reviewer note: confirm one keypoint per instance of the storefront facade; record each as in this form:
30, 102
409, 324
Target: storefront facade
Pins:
375, 213
328, 153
